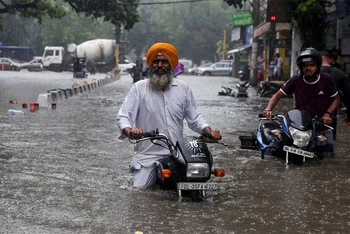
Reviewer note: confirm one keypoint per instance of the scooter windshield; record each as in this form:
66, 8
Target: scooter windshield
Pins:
300, 119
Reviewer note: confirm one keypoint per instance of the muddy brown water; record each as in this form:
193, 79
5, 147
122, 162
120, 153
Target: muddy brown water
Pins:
63, 170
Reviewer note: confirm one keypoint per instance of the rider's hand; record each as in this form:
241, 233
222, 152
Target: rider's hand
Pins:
326, 118
215, 135
135, 133
267, 113
346, 121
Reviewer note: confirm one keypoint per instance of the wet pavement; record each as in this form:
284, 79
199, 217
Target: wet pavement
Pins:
63, 170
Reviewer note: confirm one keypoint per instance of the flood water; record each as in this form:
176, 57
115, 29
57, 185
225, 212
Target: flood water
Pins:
63, 170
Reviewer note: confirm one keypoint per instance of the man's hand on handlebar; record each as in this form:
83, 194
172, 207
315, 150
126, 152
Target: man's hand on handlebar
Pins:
215, 135
267, 113
133, 133
326, 118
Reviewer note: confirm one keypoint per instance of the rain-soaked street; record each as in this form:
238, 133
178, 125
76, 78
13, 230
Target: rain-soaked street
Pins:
63, 170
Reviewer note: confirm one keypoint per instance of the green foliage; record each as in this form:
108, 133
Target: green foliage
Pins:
310, 17
118, 12
235, 3
72, 28
194, 28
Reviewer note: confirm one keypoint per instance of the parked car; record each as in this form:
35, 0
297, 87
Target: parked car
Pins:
194, 70
187, 65
216, 69
35, 65
10, 64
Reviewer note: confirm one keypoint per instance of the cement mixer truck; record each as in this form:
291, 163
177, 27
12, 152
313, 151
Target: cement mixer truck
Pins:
99, 53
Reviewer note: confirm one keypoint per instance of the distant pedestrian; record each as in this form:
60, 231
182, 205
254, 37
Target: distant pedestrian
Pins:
260, 67
273, 64
278, 68
136, 72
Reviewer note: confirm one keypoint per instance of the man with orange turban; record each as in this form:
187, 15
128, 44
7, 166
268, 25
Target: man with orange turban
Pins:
158, 102
168, 50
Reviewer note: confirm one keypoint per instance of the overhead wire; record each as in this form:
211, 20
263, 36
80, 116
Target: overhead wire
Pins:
170, 2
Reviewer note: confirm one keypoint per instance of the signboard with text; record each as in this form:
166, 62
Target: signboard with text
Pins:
242, 18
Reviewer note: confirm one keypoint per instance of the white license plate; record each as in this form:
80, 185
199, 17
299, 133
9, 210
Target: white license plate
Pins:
298, 151
197, 186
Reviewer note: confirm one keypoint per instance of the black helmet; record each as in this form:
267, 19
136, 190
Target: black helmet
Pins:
307, 55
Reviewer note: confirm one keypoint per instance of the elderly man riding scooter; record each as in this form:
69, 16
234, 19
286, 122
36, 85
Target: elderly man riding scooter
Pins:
159, 102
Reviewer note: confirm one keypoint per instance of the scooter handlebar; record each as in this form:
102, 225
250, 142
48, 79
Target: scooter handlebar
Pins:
319, 120
150, 134
261, 116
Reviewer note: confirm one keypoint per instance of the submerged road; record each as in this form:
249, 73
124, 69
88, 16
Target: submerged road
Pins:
63, 171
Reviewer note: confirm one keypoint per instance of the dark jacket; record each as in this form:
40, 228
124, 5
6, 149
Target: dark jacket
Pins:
342, 84
136, 71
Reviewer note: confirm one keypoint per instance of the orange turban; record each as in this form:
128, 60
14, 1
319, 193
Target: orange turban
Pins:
168, 50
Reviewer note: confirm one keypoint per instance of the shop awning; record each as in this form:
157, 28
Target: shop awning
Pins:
239, 49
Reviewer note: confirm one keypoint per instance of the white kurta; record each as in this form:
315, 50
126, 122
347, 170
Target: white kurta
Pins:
150, 109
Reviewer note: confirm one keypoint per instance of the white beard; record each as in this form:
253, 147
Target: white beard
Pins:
161, 81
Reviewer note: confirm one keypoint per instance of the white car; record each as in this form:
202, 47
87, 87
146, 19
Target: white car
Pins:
216, 69
187, 65
194, 70
35, 65
125, 68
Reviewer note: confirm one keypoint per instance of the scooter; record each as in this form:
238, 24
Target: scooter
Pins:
242, 86
293, 135
240, 89
189, 165
269, 88
226, 91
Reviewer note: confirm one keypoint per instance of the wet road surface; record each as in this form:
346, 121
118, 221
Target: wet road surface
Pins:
63, 170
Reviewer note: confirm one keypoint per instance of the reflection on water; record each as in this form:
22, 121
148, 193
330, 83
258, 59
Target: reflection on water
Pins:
63, 171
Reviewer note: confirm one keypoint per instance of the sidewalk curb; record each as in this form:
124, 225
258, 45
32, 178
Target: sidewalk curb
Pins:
59, 95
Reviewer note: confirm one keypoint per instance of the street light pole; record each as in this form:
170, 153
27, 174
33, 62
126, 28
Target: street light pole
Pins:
224, 46
117, 42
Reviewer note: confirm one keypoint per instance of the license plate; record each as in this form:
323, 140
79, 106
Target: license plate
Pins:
197, 186
298, 151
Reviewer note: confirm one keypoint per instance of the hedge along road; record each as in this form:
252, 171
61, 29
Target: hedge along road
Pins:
63, 170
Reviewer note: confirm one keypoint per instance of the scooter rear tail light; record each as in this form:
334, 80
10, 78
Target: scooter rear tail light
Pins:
219, 172
166, 173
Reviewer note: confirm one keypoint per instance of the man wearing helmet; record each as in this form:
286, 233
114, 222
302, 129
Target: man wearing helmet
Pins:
314, 92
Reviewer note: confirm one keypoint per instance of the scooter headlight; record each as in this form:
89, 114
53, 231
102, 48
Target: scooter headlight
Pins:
197, 170
300, 138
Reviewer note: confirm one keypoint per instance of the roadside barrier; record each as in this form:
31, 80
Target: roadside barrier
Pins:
32, 107
53, 96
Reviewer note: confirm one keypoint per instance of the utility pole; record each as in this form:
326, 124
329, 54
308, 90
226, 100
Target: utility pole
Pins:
224, 45
117, 42
256, 21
